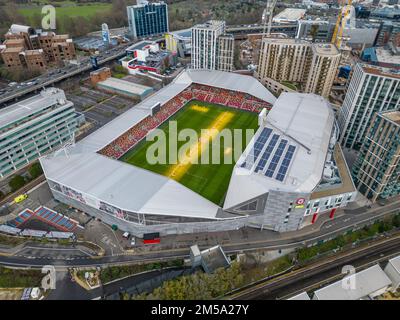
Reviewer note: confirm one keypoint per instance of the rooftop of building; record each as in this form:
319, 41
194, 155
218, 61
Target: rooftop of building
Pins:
393, 116
327, 49
13, 49
343, 184
125, 86
18, 28
283, 40
211, 25
185, 33
313, 21
380, 71
214, 258
366, 282
395, 262
139, 45
290, 14
301, 296
61, 36
100, 70
142, 3
24, 108
388, 55
14, 41
300, 121
33, 52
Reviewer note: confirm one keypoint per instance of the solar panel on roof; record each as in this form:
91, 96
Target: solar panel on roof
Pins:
276, 158
285, 163
267, 153
256, 149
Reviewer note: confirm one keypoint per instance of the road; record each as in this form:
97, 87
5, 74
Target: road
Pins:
322, 272
31, 184
62, 74
329, 230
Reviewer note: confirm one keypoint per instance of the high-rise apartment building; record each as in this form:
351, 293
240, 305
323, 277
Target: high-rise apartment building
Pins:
212, 49
371, 89
310, 67
377, 170
34, 50
147, 19
321, 72
33, 127
225, 48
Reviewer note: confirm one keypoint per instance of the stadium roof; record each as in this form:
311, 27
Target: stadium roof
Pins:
126, 186
230, 81
306, 122
125, 121
366, 282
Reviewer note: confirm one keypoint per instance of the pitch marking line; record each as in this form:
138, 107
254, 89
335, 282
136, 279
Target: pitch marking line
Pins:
178, 170
199, 108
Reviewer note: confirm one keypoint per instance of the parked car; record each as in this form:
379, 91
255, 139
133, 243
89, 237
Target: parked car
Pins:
20, 198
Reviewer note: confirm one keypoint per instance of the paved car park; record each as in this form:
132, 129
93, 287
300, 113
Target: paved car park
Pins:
99, 107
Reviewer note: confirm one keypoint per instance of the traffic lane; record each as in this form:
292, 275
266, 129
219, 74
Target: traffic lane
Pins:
66, 289
52, 253
180, 253
56, 78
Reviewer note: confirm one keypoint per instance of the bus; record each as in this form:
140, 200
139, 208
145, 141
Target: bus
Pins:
151, 238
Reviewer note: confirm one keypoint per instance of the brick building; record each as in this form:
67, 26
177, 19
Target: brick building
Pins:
34, 50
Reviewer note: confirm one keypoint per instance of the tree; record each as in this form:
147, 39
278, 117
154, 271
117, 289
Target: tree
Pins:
396, 220
35, 170
16, 183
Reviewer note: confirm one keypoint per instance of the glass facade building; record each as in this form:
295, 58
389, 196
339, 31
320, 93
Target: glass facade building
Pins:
377, 170
33, 127
372, 89
147, 19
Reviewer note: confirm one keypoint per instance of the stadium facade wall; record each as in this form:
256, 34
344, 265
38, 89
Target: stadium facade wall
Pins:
164, 229
273, 217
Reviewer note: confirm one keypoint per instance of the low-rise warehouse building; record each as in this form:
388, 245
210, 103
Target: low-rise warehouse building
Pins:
364, 285
392, 269
125, 88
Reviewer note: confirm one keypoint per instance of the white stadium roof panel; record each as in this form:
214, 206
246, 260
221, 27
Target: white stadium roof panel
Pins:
126, 186
306, 122
109, 132
131, 188
231, 81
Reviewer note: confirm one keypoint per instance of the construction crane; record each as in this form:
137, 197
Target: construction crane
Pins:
267, 17
341, 23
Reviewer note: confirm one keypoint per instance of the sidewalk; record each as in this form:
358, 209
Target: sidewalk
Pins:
248, 234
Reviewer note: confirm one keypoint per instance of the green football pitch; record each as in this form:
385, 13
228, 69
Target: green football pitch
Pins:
209, 180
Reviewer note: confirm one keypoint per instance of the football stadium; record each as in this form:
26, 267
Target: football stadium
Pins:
209, 180
292, 158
